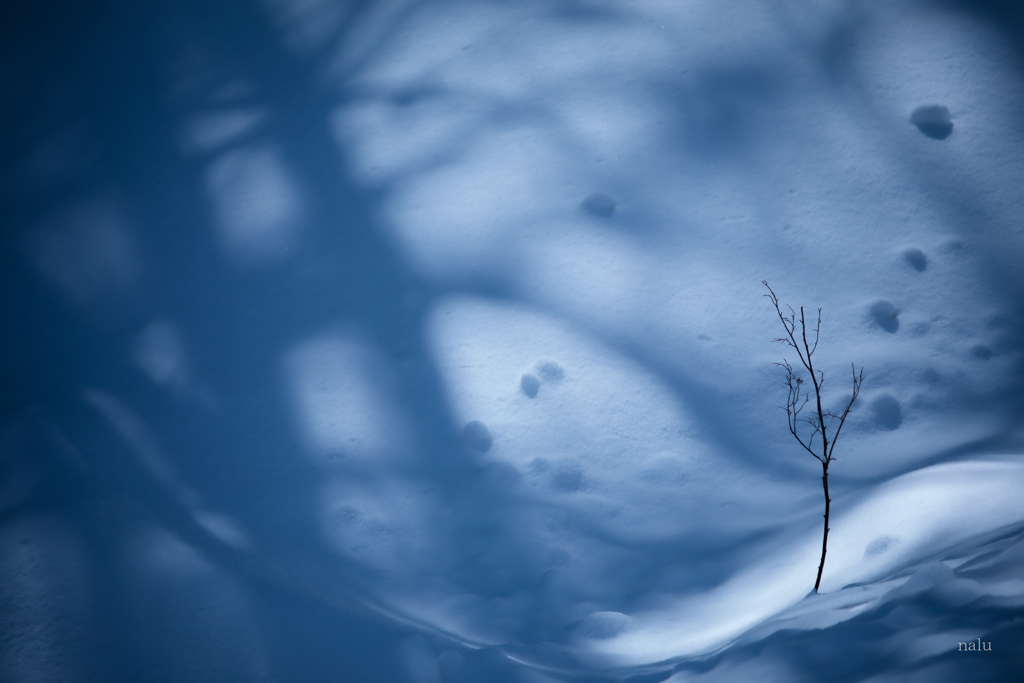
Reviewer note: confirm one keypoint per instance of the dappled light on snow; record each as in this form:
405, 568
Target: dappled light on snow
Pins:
257, 206
423, 341
342, 393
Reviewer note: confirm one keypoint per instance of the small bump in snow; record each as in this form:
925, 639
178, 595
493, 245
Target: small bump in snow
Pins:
477, 436
879, 545
602, 625
933, 120
915, 258
550, 371
884, 315
888, 413
981, 352
599, 204
530, 385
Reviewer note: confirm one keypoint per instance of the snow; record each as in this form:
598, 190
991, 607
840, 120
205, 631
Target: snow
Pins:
429, 339
340, 388
86, 252
898, 525
256, 205
211, 130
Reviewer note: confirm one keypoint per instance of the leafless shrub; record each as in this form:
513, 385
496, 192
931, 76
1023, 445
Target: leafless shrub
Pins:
814, 437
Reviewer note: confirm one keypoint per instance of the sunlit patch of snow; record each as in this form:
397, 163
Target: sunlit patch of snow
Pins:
457, 221
342, 393
927, 509
257, 206
601, 430
930, 509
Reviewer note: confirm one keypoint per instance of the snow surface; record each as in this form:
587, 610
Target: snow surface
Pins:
427, 341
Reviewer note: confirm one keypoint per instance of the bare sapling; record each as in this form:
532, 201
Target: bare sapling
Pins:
815, 437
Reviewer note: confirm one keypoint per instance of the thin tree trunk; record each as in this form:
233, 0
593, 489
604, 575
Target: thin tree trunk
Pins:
824, 538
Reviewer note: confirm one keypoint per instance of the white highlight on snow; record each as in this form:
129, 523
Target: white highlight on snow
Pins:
919, 512
341, 391
257, 205
927, 510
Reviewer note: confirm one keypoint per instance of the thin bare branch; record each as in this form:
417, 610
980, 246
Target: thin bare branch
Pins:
788, 323
793, 407
821, 419
858, 380
817, 331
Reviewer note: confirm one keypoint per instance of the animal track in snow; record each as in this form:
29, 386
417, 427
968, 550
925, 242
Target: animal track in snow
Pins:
884, 315
933, 120
878, 546
915, 258
567, 477
981, 352
550, 371
888, 414
601, 625
477, 436
530, 385
599, 204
